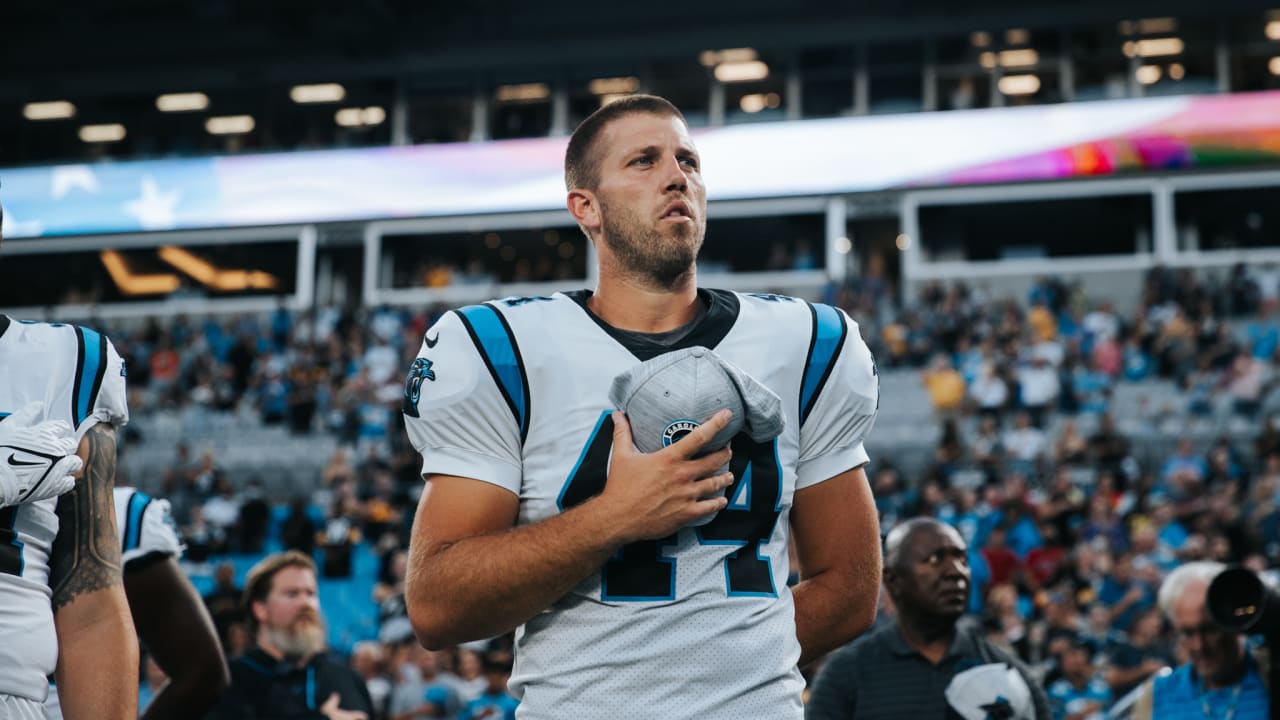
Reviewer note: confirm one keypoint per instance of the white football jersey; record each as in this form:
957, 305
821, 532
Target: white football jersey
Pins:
80, 378
145, 526
699, 624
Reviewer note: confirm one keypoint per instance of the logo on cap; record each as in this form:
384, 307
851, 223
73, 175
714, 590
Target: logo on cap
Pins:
678, 430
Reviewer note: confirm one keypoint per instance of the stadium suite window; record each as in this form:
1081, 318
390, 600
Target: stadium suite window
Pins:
532, 254
139, 274
1101, 69
686, 83
1227, 219
440, 115
826, 82
1251, 51
1109, 225
760, 244
896, 77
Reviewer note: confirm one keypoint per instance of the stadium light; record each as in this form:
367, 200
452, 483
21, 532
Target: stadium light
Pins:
320, 93
527, 92
1274, 65
987, 60
130, 284
712, 58
56, 110
1019, 58
613, 85
980, 39
113, 132
1273, 30
1158, 47
1019, 84
1177, 71
843, 245
1017, 36
753, 103
182, 102
1156, 26
903, 241
229, 124
1148, 74
741, 71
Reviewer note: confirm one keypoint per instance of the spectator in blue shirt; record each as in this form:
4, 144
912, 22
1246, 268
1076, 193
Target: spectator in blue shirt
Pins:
1081, 693
495, 703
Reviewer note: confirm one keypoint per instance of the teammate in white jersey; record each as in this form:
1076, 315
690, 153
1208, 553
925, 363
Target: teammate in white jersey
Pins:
62, 604
172, 620
539, 513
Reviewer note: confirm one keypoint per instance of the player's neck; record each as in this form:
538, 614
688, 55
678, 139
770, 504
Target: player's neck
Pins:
629, 305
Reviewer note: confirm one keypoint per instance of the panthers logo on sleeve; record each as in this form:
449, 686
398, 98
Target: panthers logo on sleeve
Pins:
419, 371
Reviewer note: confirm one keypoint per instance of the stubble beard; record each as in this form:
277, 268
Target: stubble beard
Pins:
646, 254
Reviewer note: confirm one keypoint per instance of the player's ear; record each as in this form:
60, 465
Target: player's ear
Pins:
259, 610
584, 208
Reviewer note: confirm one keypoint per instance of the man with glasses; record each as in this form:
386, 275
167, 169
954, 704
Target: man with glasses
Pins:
1221, 680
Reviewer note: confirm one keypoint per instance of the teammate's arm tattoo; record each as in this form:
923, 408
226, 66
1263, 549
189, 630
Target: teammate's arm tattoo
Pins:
86, 553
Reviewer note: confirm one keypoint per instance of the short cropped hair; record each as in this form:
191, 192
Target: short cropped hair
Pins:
581, 163
1182, 578
257, 586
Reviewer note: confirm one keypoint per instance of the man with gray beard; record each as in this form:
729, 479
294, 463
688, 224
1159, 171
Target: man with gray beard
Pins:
287, 674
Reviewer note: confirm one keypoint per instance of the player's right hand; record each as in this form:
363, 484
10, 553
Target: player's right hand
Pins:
37, 459
658, 493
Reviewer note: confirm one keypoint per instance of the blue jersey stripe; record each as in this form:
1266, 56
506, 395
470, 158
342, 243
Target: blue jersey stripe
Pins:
92, 365
497, 345
133, 529
829, 330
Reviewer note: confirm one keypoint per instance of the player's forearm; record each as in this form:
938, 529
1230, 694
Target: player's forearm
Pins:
832, 609
97, 671
486, 585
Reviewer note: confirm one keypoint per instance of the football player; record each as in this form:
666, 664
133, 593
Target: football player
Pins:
62, 603
541, 515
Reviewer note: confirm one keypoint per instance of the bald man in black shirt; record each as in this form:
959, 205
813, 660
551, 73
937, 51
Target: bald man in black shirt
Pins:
925, 665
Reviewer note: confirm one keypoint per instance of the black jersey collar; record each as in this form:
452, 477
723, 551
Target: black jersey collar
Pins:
722, 313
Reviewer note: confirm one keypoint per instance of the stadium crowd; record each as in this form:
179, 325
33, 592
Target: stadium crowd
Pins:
1070, 529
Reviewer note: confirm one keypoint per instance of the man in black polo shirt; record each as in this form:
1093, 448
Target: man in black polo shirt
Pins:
925, 665
287, 675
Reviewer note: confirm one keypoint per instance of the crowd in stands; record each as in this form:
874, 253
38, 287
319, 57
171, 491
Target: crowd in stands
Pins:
1070, 530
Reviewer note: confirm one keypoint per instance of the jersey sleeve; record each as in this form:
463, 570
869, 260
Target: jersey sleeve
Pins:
111, 405
839, 399
146, 529
456, 411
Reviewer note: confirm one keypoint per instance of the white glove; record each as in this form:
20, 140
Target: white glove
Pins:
37, 460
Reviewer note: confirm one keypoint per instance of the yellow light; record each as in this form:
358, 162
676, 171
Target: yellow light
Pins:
526, 92
1148, 74
211, 276
182, 102
753, 103
320, 93
987, 60
1017, 36
348, 117
1019, 58
1155, 26
229, 124
1019, 84
1129, 48
113, 132
373, 115
1157, 47
1177, 72
613, 85
741, 71
980, 39
1273, 30
1274, 65
903, 241
56, 110
130, 284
